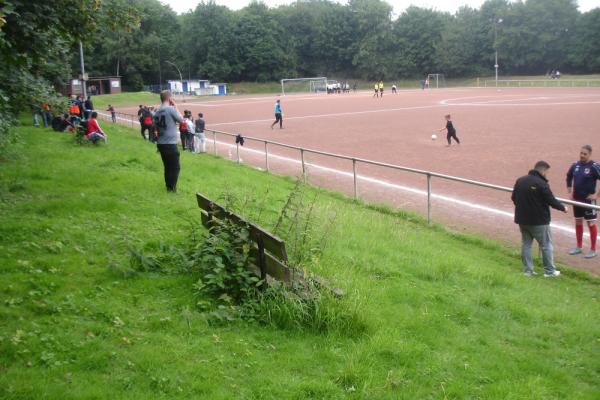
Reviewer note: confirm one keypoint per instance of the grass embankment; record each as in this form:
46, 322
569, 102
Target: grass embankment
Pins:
447, 315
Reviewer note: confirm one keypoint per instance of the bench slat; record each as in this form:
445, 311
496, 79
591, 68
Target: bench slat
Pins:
272, 243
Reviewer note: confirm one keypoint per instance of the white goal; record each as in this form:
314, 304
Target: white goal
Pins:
304, 85
436, 81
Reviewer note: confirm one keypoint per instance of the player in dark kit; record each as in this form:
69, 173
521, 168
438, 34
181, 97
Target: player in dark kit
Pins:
451, 132
581, 184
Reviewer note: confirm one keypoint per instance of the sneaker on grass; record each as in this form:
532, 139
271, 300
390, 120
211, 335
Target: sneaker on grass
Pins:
554, 274
575, 250
529, 273
591, 254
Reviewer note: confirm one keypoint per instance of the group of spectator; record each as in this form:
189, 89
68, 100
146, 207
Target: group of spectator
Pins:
80, 119
191, 132
554, 74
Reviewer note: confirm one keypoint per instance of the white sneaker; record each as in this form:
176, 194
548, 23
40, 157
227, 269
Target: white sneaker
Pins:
554, 274
575, 250
591, 254
530, 273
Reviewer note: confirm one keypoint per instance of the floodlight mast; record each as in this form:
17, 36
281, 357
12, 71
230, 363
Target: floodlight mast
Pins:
496, 22
180, 77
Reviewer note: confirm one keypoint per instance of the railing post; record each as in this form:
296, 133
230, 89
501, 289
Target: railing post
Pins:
266, 156
215, 142
355, 180
429, 199
237, 145
303, 165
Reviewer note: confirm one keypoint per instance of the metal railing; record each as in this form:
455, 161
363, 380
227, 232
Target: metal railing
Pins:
132, 119
355, 161
542, 83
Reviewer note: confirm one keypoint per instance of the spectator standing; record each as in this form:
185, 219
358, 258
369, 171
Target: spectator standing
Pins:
200, 125
146, 123
189, 135
46, 114
581, 185
89, 107
278, 115
532, 198
113, 114
166, 118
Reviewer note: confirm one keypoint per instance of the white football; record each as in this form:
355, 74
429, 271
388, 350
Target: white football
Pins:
433, 137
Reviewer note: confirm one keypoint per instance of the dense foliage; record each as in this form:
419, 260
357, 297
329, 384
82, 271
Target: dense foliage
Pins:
360, 39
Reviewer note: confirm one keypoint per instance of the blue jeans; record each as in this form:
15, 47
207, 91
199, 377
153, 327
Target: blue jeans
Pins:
541, 233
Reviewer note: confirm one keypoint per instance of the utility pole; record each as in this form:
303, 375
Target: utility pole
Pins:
83, 77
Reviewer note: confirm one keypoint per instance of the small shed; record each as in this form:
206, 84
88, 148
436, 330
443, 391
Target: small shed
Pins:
95, 85
187, 85
221, 88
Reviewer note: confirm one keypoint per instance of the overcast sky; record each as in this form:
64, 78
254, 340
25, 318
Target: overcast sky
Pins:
181, 6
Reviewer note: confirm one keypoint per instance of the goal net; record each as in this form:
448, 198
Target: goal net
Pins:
304, 85
436, 81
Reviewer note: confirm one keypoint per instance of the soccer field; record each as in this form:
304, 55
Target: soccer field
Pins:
502, 132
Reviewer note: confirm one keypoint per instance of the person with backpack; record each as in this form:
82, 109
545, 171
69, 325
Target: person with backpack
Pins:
183, 130
165, 122
146, 123
189, 135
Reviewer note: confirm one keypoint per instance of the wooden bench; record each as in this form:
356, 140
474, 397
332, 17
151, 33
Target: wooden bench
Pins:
268, 250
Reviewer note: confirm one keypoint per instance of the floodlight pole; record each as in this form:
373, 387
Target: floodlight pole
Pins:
180, 78
496, 22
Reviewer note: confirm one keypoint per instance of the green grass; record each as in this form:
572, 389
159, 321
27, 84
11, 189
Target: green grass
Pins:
101, 102
447, 315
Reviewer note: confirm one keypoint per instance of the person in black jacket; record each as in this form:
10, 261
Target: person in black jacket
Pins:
532, 198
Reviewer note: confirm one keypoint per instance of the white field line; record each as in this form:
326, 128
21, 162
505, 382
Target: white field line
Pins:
379, 182
333, 114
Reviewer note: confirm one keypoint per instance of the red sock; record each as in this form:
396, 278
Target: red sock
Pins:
593, 235
579, 235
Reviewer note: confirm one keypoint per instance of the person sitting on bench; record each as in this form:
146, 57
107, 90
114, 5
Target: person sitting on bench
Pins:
94, 132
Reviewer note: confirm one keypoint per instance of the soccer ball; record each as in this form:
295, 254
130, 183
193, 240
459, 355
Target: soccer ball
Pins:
433, 137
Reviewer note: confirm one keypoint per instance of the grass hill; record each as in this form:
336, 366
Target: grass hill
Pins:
442, 315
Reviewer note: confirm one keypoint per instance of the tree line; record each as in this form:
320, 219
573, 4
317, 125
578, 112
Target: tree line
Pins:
360, 39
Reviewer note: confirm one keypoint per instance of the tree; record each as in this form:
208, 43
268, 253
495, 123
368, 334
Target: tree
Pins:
584, 54
417, 33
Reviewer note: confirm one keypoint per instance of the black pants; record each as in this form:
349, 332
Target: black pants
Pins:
170, 158
278, 118
450, 136
145, 128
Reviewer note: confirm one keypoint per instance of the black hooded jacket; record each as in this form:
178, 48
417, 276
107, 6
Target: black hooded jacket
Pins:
532, 197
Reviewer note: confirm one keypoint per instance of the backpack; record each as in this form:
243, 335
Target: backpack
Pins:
147, 120
183, 127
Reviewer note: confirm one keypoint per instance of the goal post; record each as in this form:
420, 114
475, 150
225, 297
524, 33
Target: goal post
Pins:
436, 81
299, 85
